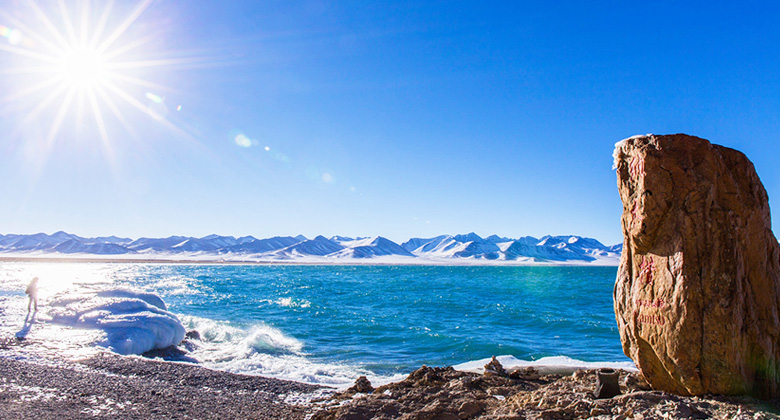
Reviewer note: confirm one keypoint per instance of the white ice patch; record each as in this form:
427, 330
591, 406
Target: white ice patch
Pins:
617, 154
132, 322
560, 365
30, 393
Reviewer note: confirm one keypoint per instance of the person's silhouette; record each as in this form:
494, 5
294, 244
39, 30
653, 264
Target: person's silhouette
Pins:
32, 292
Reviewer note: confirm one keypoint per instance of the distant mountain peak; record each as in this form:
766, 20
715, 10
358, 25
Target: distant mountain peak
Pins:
469, 237
470, 246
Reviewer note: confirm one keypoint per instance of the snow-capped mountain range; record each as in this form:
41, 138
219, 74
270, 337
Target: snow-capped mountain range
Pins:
441, 249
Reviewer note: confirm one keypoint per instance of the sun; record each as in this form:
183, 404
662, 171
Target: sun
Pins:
83, 64
82, 68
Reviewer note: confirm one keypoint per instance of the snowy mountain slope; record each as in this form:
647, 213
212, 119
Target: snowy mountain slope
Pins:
479, 249
38, 241
77, 247
538, 252
202, 244
109, 240
414, 244
157, 244
579, 245
63, 243
342, 240
440, 246
548, 248
441, 249
245, 239
469, 237
317, 246
497, 239
369, 247
259, 246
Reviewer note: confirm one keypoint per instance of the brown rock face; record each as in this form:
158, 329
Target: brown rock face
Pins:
698, 289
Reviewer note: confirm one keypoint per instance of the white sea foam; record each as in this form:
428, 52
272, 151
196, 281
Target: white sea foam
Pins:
546, 365
261, 349
131, 322
289, 302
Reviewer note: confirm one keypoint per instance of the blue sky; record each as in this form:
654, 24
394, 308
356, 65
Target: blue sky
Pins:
362, 118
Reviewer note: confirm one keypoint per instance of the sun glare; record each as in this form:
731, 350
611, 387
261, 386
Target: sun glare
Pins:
82, 68
85, 64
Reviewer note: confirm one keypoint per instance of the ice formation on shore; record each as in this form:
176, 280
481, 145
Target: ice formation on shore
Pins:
557, 365
132, 322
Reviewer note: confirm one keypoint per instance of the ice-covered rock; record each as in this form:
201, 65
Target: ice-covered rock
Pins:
132, 322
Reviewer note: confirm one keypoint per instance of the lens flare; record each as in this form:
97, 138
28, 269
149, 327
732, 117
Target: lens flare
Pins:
154, 98
13, 36
243, 141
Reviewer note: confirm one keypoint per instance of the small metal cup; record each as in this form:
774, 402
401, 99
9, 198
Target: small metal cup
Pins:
606, 383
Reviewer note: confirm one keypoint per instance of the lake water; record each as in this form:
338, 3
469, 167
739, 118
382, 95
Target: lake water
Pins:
329, 324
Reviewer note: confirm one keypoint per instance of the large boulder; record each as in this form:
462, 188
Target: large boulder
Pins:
698, 288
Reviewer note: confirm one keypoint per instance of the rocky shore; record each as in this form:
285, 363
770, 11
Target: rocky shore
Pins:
447, 394
111, 386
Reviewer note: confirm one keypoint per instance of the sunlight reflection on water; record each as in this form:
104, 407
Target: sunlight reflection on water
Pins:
54, 277
50, 340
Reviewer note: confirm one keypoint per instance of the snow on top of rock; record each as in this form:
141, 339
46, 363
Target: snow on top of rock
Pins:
618, 152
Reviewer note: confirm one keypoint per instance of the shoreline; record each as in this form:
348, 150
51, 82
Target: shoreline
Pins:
132, 387
367, 262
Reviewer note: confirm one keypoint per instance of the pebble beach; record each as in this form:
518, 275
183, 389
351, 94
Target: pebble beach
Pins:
128, 387
120, 387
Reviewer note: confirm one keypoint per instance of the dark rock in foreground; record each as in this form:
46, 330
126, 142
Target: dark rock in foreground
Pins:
444, 393
698, 290
429, 393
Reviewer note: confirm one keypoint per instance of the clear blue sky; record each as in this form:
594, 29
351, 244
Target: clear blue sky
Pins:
365, 118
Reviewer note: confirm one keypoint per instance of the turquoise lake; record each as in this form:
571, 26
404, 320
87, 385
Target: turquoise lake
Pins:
328, 323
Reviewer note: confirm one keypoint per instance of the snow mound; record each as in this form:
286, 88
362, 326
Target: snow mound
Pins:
132, 322
617, 154
559, 365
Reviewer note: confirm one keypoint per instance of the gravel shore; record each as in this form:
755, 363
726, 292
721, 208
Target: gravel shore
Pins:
116, 387
109, 386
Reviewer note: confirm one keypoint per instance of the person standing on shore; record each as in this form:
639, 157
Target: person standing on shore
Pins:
32, 293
